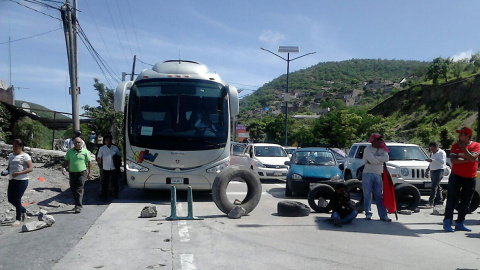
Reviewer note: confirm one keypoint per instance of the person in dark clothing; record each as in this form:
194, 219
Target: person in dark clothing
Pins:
340, 204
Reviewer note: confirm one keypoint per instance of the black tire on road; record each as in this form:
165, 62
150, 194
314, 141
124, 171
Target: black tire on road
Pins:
292, 209
219, 189
320, 191
407, 197
354, 187
474, 203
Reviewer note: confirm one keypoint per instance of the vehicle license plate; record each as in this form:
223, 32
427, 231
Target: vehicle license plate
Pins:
176, 180
427, 184
277, 173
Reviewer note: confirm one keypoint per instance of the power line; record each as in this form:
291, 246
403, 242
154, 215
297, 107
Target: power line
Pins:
124, 29
43, 4
104, 67
30, 36
139, 60
134, 30
115, 27
101, 36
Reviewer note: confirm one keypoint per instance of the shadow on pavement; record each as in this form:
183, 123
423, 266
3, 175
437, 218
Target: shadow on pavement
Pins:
360, 225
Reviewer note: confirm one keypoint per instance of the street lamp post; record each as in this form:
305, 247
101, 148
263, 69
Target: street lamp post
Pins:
288, 50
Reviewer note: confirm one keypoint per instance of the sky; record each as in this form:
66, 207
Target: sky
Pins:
224, 35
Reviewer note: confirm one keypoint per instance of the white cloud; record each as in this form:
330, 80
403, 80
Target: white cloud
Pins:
272, 37
462, 55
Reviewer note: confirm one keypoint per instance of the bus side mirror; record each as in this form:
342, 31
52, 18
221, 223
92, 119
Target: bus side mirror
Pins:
233, 99
119, 100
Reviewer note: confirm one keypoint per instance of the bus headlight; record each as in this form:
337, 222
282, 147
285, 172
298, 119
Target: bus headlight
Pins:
219, 168
132, 166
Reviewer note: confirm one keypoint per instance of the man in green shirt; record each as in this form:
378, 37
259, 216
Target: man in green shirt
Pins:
78, 159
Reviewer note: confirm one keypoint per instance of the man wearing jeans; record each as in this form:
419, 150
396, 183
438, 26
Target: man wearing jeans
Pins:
461, 184
78, 159
438, 163
374, 156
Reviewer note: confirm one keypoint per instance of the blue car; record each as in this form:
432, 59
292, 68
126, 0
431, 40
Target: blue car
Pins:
309, 167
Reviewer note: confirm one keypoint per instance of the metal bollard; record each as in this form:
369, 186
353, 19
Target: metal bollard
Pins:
173, 206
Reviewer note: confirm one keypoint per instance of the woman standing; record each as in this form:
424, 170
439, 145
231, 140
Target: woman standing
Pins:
19, 165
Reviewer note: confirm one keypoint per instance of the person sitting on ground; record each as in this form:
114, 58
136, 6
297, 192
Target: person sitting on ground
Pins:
340, 204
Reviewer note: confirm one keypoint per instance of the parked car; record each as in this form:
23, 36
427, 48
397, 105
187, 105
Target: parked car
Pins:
290, 150
309, 167
265, 159
407, 166
339, 155
236, 152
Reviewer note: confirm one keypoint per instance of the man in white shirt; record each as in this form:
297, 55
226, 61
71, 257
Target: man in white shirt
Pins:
105, 157
438, 163
70, 142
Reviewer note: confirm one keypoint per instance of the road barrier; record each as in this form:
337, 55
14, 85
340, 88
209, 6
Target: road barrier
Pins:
173, 206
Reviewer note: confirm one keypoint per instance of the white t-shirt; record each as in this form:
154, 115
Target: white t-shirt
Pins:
106, 155
18, 163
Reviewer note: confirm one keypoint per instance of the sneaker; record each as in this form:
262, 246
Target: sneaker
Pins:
386, 219
16, 223
368, 217
78, 210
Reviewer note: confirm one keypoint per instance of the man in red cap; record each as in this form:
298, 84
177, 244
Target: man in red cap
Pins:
461, 184
374, 156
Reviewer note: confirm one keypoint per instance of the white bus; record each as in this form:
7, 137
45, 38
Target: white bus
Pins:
177, 126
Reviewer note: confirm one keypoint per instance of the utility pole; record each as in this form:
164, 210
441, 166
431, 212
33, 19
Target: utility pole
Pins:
68, 20
124, 74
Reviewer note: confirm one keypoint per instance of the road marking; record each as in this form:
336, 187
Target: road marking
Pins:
182, 225
186, 260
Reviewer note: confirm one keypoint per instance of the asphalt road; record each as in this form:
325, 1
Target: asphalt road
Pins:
114, 237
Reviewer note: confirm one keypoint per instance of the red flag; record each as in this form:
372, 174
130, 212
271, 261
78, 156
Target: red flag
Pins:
388, 192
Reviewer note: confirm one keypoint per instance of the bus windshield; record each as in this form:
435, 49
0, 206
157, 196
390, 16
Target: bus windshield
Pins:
176, 114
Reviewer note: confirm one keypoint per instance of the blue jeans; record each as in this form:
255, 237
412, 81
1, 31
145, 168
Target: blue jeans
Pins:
459, 188
373, 182
436, 191
346, 219
16, 188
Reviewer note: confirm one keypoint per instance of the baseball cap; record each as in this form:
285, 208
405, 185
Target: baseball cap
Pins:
375, 136
465, 130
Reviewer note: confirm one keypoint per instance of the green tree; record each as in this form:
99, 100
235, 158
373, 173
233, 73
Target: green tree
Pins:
105, 119
439, 68
31, 132
475, 61
5, 118
256, 129
446, 139
425, 134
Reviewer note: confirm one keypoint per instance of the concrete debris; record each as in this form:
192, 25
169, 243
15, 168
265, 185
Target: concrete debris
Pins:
48, 219
8, 218
57, 204
237, 202
438, 210
41, 213
33, 226
148, 212
237, 212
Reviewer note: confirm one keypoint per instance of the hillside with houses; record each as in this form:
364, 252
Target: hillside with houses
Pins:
317, 90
